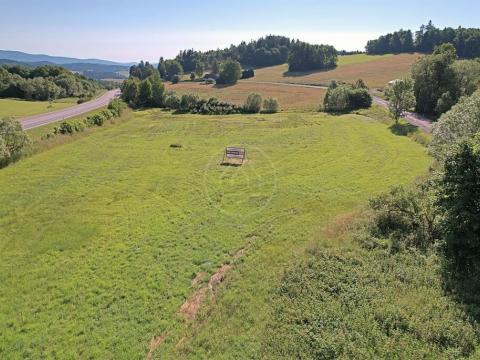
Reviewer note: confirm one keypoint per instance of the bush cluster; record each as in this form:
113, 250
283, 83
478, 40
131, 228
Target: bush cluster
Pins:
342, 98
13, 141
46, 82
248, 73
72, 126
192, 103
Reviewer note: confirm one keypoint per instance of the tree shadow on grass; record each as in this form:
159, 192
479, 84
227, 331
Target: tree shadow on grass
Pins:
403, 129
306, 72
223, 86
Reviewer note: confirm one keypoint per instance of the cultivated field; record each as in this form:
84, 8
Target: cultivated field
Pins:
376, 71
104, 238
17, 108
290, 98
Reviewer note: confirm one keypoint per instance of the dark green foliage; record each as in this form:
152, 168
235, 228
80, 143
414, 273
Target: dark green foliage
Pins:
13, 141
45, 82
304, 57
461, 122
460, 201
230, 73
172, 101
398, 42
407, 217
435, 85
145, 93
158, 91
162, 70
187, 102
266, 51
253, 104
130, 91
270, 106
192, 76
347, 97
175, 79
247, 74
465, 41
143, 70
173, 68
194, 105
69, 127
116, 107
365, 304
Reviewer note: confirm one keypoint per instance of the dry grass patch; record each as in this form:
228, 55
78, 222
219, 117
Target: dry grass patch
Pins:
375, 70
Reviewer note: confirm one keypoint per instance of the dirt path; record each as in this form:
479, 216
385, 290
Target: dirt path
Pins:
413, 118
59, 115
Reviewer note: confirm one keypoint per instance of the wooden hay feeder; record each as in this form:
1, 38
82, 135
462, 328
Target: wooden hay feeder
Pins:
234, 156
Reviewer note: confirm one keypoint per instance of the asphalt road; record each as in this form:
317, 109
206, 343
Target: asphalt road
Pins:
413, 118
59, 115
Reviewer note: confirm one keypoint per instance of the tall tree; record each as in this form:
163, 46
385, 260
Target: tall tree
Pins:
401, 98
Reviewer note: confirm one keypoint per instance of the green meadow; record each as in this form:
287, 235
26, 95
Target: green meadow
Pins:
101, 237
17, 108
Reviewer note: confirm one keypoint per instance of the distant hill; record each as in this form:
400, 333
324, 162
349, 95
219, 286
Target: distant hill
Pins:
90, 70
59, 60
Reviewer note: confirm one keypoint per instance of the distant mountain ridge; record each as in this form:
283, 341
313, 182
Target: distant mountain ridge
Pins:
23, 57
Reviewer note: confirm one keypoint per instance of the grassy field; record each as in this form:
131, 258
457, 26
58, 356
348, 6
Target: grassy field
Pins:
100, 238
376, 71
290, 98
17, 108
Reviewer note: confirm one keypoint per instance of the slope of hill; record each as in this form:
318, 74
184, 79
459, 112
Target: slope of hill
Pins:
376, 71
93, 71
59, 60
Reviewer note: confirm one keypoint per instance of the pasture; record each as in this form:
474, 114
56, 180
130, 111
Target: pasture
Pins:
104, 238
290, 98
17, 108
376, 71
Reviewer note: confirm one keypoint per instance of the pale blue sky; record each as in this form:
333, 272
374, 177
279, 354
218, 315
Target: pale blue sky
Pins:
132, 30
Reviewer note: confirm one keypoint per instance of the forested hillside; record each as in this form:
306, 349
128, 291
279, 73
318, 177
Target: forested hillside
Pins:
45, 82
466, 41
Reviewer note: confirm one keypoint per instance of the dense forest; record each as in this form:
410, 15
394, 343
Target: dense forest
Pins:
465, 41
266, 51
45, 82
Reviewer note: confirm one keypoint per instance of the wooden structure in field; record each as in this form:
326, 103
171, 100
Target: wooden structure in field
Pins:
234, 156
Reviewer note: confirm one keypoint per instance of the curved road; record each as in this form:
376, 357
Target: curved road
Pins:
413, 118
54, 116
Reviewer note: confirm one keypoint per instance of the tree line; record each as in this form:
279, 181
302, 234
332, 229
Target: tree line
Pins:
466, 41
266, 51
46, 82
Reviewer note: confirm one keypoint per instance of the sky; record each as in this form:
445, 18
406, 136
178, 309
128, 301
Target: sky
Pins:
128, 31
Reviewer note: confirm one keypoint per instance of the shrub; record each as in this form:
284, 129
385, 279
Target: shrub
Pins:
247, 74
460, 201
13, 141
347, 97
116, 107
213, 106
253, 104
97, 119
270, 106
231, 72
175, 79
70, 127
188, 102
407, 217
461, 122
192, 76
172, 101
